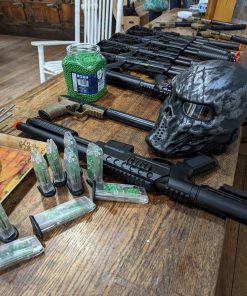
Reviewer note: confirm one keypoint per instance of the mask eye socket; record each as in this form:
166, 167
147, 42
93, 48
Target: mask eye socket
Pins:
197, 111
168, 112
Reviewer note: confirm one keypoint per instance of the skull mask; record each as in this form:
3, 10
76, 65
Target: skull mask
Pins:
204, 112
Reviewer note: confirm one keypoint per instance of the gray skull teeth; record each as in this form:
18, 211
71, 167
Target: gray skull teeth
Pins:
204, 112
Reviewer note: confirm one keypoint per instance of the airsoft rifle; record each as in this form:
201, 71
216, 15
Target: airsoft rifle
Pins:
167, 49
194, 19
80, 109
144, 53
211, 31
202, 24
184, 47
152, 68
203, 27
157, 35
223, 36
163, 58
174, 180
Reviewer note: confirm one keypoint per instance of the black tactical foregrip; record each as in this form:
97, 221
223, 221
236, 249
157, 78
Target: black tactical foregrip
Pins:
239, 39
175, 70
214, 49
225, 44
151, 34
215, 22
135, 84
52, 127
128, 119
212, 56
182, 62
228, 28
182, 24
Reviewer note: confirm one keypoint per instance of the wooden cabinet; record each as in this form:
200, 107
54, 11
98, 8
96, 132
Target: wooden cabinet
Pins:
220, 10
51, 19
12, 12
39, 13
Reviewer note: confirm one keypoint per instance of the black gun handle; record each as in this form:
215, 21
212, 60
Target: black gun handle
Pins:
126, 118
212, 200
239, 39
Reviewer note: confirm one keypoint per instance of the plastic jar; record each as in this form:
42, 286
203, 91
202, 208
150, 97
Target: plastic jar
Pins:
84, 72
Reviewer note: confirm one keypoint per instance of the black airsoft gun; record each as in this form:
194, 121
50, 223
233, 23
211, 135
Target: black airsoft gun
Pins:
174, 180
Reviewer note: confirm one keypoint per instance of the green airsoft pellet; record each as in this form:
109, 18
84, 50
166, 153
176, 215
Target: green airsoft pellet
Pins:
121, 188
70, 142
95, 162
7, 231
61, 214
19, 250
55, 163
120, 192
42, 174
73, 171
84, 72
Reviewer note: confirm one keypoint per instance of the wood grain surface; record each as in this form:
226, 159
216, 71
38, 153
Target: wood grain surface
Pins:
163, 248
19, 65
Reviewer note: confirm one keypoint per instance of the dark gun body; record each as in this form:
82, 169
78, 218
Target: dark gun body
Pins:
144, 53
119, 65
152, 68
159, 90
174, 180
157, 35
223, 36
194, 19
202, 26
81, 109
180, 47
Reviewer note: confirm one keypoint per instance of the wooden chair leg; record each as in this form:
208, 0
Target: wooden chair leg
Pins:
41, 63
119, 16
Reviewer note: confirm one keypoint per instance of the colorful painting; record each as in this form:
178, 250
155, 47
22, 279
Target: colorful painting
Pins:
15, 161
14, 164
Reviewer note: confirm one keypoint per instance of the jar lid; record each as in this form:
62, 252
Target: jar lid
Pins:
184, 14
82, 47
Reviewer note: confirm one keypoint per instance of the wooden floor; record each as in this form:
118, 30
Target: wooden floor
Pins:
19, 65
19, 73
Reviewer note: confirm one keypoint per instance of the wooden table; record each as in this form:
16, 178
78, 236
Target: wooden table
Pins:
162, 248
